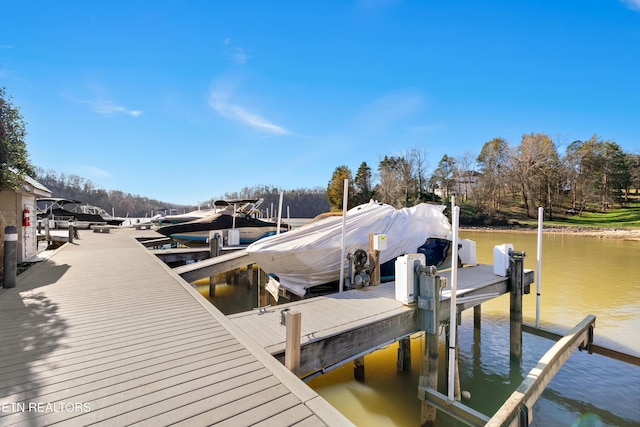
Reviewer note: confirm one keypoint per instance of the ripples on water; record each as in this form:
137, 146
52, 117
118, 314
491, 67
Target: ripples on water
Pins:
580, 276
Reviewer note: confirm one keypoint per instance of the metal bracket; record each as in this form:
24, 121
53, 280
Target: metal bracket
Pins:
283, 316
427, 298
589, 346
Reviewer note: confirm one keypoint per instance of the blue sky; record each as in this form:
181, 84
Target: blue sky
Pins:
183, 101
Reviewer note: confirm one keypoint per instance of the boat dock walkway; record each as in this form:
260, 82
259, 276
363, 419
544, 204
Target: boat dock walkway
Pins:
345, 325
102, 332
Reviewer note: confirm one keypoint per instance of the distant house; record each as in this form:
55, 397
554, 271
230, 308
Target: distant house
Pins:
15, 205
462, 185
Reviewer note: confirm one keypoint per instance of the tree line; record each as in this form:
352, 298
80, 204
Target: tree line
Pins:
300, 203
593, 174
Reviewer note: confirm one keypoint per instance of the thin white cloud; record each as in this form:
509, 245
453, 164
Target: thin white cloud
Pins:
240, 56
94, 171
107, 108
388, 110
6, 46
220, 100
632, 4
99, 100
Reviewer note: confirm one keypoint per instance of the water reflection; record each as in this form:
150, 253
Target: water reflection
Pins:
580, 276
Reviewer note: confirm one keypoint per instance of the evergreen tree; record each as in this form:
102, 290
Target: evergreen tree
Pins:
362, 185
14, 159
335, 189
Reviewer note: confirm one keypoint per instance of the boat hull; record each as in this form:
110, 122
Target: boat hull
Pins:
311, 255
194, 233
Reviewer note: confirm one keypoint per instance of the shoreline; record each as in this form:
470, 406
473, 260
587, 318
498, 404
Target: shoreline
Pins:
607, 233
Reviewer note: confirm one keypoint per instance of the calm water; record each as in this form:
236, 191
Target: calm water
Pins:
580, 276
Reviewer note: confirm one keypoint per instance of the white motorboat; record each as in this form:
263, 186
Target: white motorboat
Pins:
228, 222
311, 255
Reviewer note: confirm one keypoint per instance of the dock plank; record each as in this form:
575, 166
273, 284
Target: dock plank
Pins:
212, 266
341, 325
103, 322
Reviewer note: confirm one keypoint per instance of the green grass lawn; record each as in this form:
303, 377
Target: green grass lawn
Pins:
614, 218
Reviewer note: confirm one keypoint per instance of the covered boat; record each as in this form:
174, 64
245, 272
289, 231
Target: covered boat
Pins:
311, 255
62, 210
229, 221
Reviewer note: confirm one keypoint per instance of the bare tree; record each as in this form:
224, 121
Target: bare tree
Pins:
535, 164
466, 174
492, 162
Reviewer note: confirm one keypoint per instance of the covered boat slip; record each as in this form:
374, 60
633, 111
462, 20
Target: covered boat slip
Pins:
103, 332
340, 326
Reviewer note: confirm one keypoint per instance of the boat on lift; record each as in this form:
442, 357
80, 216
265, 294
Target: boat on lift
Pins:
311, 255
237, 223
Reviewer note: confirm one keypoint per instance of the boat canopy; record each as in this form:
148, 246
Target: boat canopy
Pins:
310, 255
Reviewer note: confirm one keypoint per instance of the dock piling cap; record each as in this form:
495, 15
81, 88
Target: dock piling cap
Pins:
10, 233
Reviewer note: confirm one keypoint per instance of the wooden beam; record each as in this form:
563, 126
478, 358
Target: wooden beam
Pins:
603, 351
453, 408
213, 266
541, 375
496, 286
161, 241
325, 352
181, 254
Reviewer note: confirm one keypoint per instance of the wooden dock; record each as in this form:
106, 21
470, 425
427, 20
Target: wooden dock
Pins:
103, 332
339, 326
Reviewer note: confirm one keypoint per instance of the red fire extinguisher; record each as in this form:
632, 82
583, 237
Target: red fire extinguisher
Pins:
26, 217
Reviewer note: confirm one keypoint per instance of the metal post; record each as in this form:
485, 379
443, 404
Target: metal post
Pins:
539, 271
453, 310
70, 229
343, 255
10, 256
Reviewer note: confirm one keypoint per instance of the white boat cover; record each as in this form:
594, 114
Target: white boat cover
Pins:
310, 255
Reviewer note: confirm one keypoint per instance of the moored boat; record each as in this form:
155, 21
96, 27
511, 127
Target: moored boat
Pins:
62, 210
109, 219
311, 255
237, 226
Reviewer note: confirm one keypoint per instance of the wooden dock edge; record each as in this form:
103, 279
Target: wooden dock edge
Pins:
597, 349
319, 406
525, 396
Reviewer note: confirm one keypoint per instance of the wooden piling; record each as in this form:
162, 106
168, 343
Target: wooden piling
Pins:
374, 262
516, 275
429, 368
358, 369
214, 251
47, 232
477, 317
404, 355
293, 320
